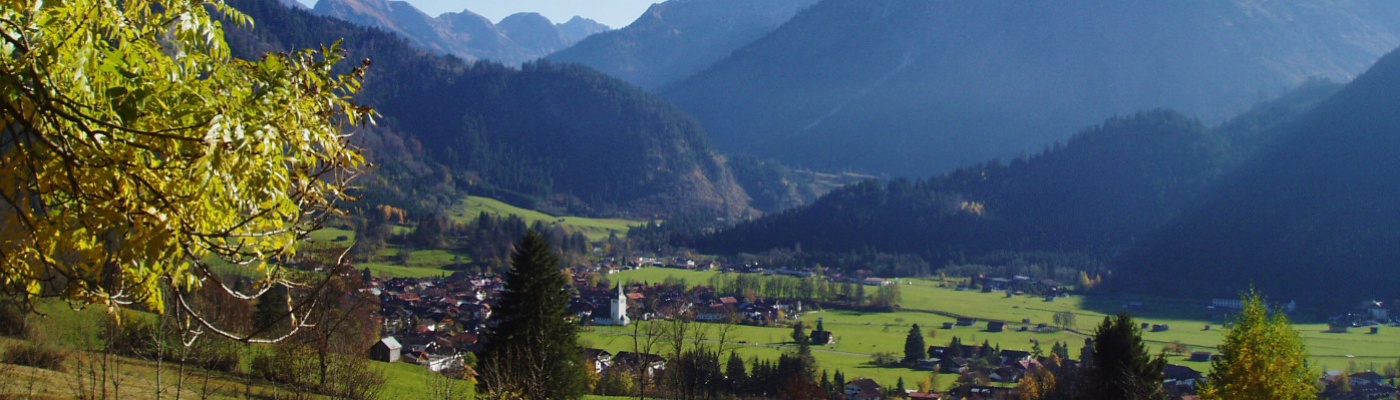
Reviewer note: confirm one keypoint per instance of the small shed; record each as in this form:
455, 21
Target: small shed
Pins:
963, 321
386, 350
1201, 356
947, 325
1160, 327
1338, 328
995, 326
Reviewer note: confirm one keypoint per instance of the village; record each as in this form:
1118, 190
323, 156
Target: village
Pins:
439, 322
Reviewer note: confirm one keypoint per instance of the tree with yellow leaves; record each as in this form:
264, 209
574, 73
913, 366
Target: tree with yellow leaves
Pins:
134, 149
1037, 383
1262, 357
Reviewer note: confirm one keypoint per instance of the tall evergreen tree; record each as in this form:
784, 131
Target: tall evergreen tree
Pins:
914, 348
1262, 357
838, 381
1121, 368
534, 351
734, 373
799, 333
1060, 349
826, 383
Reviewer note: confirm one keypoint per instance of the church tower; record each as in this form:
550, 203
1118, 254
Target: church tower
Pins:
619, 308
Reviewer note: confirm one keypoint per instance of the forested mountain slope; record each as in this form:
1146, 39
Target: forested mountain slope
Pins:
555, 137
677, 38
1315, 219
1093, 196
915, 87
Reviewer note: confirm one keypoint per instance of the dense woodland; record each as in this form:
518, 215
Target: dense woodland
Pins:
1314, 217
1072, 206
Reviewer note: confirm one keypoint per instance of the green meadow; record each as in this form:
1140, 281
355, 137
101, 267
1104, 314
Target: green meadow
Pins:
595, 229
860, 335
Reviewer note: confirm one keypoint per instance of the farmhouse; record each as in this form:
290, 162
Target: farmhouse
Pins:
653, 363
863, 389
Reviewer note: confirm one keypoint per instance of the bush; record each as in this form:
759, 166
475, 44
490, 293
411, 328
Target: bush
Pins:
218, 355
14, 320
36, 355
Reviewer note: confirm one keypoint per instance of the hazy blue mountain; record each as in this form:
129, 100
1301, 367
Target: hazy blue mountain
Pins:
518, 38
677, 38
913, 87
578, 28
1090, 198
1315, 218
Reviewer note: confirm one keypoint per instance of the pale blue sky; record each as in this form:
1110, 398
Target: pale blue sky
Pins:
613, 13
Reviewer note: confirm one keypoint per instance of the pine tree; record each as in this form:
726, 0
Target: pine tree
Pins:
1036, 351
1121, 369
838, 381
734, 373
826, 383
899, 389
1262, 357
914, 348
799, 333
534, 350
1060, 349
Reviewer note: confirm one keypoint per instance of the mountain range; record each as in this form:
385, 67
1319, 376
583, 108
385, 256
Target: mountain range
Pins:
1090, 198
561, 138
910, 88
1313, 218
1295, 198
517, 38
677, 38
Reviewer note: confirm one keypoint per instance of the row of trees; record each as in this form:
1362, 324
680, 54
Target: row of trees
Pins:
816, 289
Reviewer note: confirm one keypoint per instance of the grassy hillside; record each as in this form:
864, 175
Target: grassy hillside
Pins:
430, 262
593, 228
72, 332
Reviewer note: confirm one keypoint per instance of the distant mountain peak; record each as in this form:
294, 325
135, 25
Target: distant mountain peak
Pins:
677, 38
909, 88
517, 38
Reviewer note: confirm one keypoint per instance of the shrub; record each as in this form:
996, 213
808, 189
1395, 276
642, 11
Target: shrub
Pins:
36, 355
14, 320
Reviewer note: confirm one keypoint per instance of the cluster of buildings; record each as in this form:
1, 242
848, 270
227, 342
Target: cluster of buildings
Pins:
1357, 386
624, 303
434, 321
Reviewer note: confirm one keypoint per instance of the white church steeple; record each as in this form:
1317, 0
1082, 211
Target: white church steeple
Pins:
619, 308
